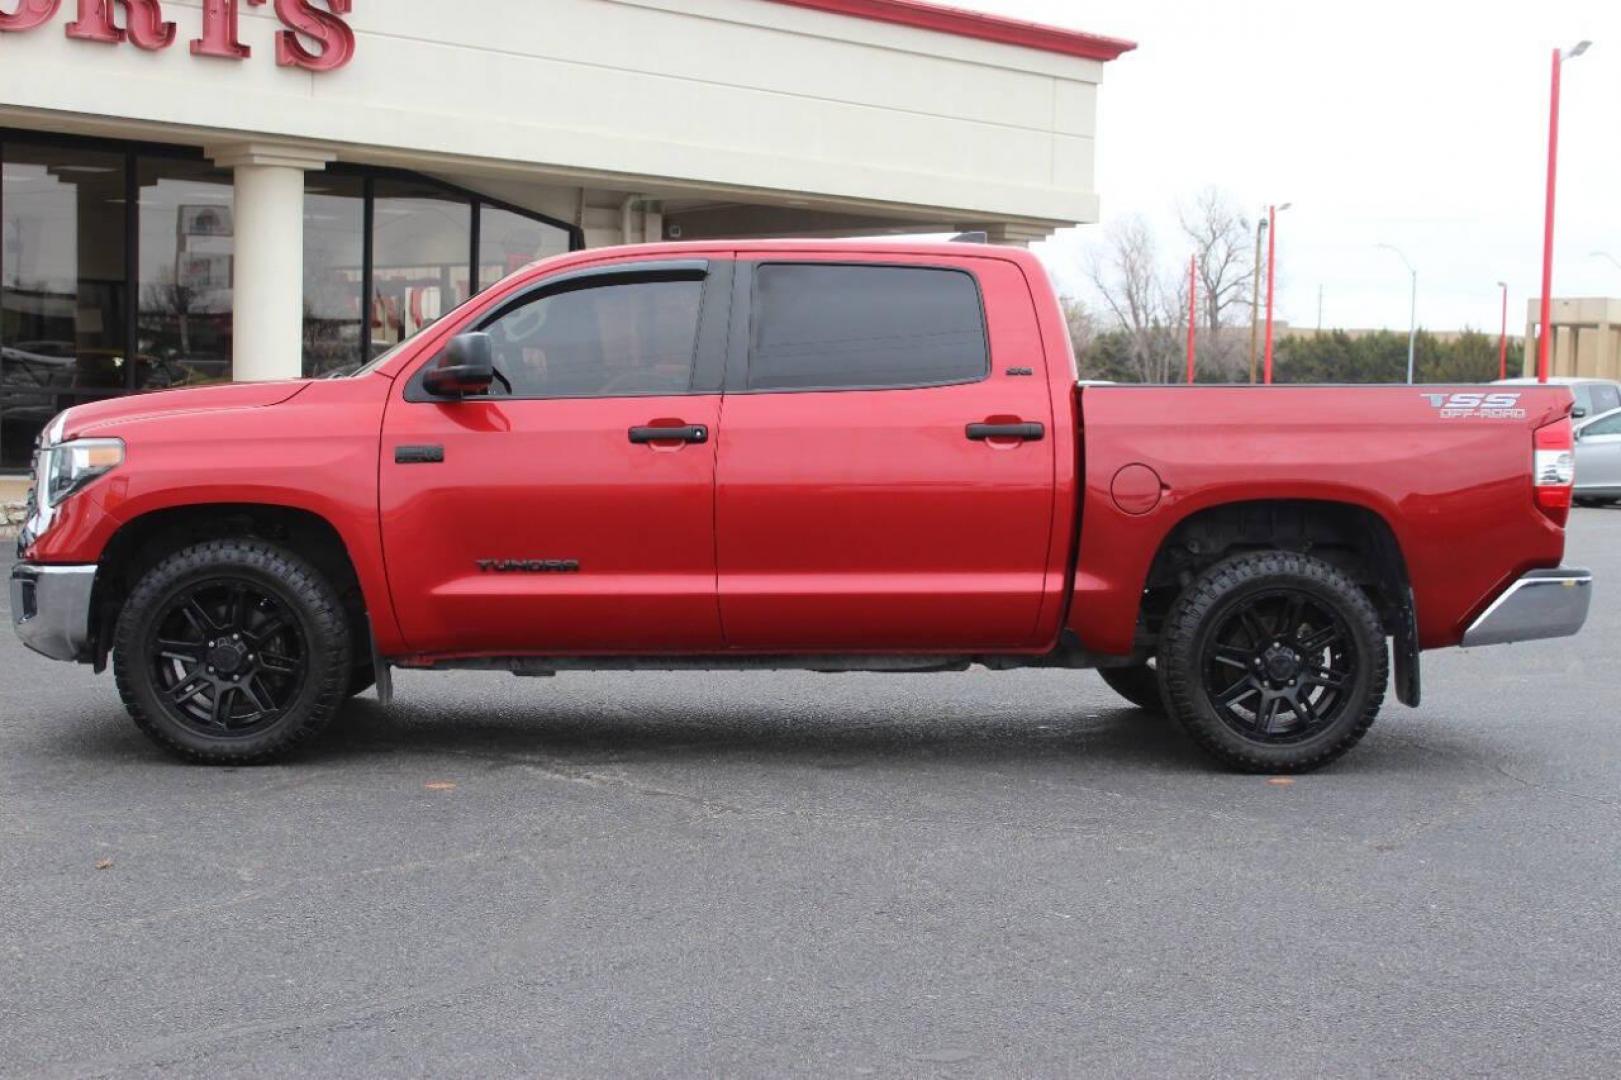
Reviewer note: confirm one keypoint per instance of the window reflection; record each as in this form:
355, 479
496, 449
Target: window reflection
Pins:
509, 242
421, 258
334, 254
187, 239
632, 338
66, 291
63, 302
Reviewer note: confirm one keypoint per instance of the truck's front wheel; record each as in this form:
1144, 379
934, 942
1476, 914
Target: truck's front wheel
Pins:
232, 652
1273, 661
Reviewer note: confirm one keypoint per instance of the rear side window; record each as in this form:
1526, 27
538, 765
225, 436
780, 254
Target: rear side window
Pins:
828, 326
1610, 425
1604, 397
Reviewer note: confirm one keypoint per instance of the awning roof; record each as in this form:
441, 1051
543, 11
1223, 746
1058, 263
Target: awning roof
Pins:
974, 24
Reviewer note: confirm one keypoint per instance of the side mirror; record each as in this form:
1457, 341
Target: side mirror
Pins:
466, 367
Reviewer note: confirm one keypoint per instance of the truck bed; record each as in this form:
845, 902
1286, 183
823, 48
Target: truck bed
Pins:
1446, 468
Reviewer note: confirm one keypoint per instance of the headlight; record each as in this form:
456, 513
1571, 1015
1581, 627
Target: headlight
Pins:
67, 467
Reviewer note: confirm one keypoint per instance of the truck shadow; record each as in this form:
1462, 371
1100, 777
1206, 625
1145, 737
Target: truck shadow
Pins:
1087, 739
1111, 737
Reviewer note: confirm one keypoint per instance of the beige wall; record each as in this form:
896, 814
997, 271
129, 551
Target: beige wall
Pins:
1586, 337
681, 100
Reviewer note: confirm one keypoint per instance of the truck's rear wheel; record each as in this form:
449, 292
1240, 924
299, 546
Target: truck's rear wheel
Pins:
1273, 662
232, 652
1138, 684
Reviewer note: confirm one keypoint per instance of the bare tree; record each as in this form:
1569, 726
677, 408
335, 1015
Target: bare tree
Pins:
1083, 329
1221, 243
1126, 274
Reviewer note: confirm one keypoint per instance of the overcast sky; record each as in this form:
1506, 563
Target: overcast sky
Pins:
1420, 123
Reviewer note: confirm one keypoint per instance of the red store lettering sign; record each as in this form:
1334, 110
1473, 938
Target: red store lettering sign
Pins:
314, 37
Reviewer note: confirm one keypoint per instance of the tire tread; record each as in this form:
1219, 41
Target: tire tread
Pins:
1181, 685
331, 641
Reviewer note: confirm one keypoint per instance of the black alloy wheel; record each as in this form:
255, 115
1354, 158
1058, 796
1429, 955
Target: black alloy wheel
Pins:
229, 657
1277, 666
1273, 661
233, 652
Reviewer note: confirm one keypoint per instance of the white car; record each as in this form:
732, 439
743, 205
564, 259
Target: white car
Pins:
1593, 396
1598, 459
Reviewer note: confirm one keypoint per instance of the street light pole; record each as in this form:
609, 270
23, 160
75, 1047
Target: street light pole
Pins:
1545, 336
1271, 264
1255, 296
1193, 310
1502, 336
1412, 310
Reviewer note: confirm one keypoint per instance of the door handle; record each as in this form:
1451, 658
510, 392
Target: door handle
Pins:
691, 433
1030, 430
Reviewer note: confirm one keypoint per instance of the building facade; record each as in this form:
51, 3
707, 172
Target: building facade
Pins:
1586, 340
207, 189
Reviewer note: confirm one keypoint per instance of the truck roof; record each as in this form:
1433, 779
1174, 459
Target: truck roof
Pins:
866, 247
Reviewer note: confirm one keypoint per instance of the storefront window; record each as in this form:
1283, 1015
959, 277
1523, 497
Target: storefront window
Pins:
334, 272
69, 274
187, 237
508, 242
63, 300
421, 258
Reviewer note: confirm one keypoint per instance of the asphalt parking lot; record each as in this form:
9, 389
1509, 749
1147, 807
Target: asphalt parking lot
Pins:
979, 874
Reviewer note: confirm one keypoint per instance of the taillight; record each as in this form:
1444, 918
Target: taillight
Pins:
1554, 469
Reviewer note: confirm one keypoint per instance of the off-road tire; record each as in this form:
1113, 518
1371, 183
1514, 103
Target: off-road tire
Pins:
1138, 684
296, 584
1209, 597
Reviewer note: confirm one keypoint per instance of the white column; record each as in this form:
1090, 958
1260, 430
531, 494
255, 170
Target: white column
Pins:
267, 323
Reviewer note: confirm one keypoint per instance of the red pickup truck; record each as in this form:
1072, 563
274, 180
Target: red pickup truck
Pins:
833, 456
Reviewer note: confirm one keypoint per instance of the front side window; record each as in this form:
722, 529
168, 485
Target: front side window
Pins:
830, 326
604, 340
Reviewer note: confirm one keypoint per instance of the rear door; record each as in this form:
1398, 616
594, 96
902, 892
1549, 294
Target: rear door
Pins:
885, 476
1598, 455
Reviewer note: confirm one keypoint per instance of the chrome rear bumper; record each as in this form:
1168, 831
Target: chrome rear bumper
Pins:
1541, 604
50, 608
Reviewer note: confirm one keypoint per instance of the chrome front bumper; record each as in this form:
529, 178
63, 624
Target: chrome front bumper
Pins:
50, 608
1542, 604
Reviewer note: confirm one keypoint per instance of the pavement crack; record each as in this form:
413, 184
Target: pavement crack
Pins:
1552, 790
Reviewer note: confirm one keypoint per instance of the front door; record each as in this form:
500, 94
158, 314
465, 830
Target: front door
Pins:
885, 478
571, 510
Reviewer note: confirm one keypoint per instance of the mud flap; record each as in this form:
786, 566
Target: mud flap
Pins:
382, 676
1404, 650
